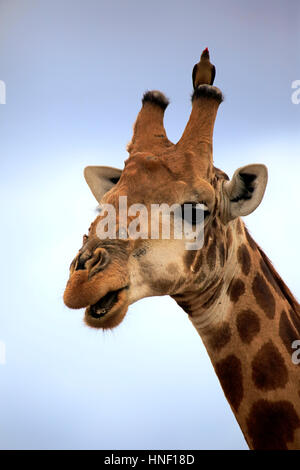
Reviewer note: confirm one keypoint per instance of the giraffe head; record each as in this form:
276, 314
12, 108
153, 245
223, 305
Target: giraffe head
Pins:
108, 275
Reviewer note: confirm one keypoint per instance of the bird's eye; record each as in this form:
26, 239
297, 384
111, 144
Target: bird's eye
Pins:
194, 212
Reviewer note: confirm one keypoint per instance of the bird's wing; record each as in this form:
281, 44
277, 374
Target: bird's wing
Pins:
213, 74
194, 74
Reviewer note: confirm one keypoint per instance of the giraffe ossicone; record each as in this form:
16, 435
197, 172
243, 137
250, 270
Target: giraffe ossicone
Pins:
246, 315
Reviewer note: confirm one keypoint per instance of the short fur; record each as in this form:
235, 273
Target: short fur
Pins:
235, 299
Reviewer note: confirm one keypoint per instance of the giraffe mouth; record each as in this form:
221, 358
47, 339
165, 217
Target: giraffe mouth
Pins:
107, 309
105, 304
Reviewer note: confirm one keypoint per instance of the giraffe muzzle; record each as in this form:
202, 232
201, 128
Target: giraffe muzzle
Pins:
99, 282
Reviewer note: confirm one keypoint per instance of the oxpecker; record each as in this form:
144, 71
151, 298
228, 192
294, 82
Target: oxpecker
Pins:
204, 72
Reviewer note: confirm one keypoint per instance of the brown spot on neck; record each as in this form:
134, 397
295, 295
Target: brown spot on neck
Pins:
218, 337
263, 296
229, 372
248, 325
271, 425
236, 289
244, 259
269, 371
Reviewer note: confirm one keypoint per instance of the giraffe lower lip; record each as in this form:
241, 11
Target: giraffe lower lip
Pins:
105, 304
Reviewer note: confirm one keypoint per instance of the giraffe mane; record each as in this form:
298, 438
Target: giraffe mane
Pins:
275, 276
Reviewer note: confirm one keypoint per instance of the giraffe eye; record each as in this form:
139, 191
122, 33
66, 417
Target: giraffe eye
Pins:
194, 212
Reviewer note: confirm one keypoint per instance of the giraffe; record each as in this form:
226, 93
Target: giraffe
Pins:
243, 311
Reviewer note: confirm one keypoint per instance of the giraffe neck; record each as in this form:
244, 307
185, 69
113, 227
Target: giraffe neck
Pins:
248, 320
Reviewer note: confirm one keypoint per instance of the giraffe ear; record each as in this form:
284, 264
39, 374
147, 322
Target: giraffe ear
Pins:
245, 190
101, 179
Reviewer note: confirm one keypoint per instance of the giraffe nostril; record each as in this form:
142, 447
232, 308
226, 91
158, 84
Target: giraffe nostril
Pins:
95, 259
98, 262
80, 264
80, 261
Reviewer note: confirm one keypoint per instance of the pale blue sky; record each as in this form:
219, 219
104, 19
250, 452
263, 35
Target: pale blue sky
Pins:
75, 71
